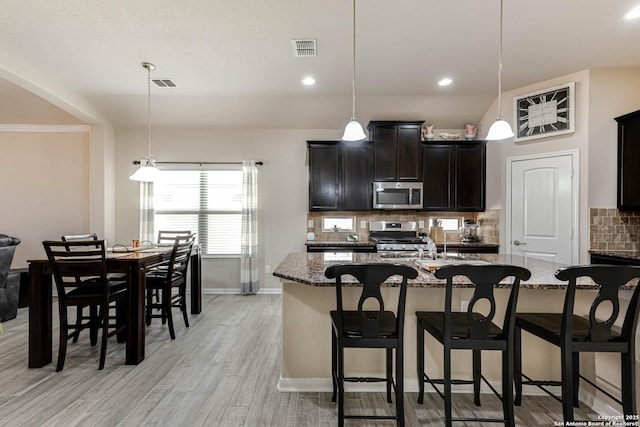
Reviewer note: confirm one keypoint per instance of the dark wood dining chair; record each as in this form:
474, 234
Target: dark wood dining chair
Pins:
165, 280
80, 272
93, 310
472, 330
366, 328
596, 332
169, 236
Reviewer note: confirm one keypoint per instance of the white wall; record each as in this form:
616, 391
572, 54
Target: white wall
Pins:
44, 188
283, 185
613, 92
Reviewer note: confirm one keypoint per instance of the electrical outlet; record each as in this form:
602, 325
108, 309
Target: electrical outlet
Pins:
420, 224
310, 223
464, 305
267, 269
363, 224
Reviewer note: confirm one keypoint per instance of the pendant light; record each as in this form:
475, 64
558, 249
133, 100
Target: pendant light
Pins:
147, 171
353, 131
500, 129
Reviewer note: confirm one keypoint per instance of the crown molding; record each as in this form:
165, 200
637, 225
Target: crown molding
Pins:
44, 128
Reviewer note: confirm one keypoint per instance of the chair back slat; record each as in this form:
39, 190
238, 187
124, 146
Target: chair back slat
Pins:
77, 263
484, 278
371, 276
609, 279
169, 236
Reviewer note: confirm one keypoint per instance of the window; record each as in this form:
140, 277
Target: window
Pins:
337, 224
447, 224
208, 202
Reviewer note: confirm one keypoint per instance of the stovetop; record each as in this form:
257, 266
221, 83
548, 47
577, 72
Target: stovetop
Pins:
387, 239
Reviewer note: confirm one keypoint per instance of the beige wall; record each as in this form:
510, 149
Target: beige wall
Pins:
44, 188
283, 186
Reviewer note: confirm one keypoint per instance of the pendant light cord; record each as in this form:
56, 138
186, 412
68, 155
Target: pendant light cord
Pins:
353, 81
500, 65
149, 111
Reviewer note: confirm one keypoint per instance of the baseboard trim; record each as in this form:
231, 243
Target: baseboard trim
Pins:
236, 291
323, 385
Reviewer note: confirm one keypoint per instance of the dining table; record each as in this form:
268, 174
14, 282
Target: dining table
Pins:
134, 262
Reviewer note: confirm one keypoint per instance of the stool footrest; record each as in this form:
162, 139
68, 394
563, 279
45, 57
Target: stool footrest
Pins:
364, 379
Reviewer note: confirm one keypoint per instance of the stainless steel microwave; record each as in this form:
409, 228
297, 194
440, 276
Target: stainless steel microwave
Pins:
397, 195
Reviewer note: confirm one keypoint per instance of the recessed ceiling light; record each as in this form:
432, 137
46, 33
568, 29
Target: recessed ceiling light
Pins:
445, 82
633, 14
308, 81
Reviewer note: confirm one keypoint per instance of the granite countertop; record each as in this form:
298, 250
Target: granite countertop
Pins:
321, 243
634, 255
308, 269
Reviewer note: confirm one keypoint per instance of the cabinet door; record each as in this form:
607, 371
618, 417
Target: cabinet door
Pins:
470, 177
409, 152
438, 182
356, 177
628, 155
324, 177
384, 152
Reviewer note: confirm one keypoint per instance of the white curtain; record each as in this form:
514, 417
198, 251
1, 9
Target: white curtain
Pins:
249, 282
147, 213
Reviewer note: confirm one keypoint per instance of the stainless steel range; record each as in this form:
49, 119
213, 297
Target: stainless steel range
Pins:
397, 236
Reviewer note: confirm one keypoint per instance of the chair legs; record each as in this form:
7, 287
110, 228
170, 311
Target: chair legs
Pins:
628, 380
567, 384
507, 386
420, 359
64, 336
338, 379
168, 302
517, 366
477, 372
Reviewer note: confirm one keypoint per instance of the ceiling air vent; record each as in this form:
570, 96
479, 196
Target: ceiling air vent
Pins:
164, 82
304, 47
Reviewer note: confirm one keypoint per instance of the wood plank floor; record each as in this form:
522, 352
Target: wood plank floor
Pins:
222, 371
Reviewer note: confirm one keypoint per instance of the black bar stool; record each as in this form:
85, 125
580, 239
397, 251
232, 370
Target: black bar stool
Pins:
363, 328
575, 334
472, 331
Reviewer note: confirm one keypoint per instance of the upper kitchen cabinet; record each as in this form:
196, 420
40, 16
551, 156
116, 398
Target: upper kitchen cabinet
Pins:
396, 150
340, 176
628, 156
454, 176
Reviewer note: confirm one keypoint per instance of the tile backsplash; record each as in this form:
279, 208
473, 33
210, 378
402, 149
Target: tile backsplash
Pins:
489, 222
611, 229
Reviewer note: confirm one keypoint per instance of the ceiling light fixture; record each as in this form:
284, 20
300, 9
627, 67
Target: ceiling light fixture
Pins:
500, 129
633, 13
308, 81
353, 131
147, 171
445, 82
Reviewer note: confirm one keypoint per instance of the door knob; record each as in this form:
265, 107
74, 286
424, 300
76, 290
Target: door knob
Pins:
518, 243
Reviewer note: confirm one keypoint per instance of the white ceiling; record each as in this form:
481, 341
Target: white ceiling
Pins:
233, 58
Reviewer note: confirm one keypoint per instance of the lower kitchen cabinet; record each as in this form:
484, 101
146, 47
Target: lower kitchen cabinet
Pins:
340, 176
622, 259
454, 176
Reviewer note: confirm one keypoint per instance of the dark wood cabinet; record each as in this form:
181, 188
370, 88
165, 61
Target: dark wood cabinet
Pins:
454, 176
340, 176
628, 161
396, 150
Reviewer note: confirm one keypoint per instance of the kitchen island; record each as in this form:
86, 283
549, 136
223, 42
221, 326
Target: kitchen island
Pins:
307, 298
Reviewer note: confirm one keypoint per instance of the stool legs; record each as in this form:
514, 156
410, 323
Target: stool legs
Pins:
334, 366
507, 385
517, 366
389, 373
399, 385
628, 372
477, 371
567, 383
447, 387
420, 359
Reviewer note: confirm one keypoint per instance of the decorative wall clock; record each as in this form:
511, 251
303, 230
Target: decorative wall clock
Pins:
545, 113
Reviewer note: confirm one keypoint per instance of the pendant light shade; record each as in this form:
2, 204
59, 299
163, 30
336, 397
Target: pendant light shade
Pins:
147, 171
353, 131
500, 129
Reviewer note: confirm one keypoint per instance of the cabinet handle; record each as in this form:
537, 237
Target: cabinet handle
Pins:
518, 243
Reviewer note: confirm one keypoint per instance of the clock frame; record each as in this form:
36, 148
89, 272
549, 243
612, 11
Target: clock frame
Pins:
544, 113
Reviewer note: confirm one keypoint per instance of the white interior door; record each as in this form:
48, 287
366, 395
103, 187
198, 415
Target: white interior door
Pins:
543, 203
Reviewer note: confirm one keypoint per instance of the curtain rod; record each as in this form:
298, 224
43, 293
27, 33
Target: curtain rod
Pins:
137, 162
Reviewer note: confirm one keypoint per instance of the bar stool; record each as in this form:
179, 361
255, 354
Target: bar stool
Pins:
575, 334
472, 331
364, 328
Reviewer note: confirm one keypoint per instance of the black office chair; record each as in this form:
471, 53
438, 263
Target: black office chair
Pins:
574, 334
471, 330
80, 272
364, 328
163, 281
